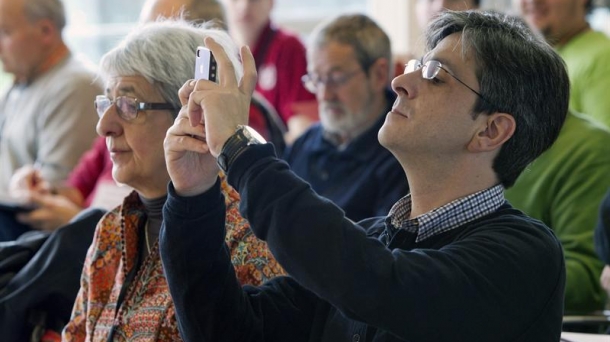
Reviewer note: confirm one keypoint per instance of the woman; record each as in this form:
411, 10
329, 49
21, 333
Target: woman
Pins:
124, 294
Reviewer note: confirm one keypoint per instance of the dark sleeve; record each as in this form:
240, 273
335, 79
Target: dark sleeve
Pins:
602, 231
394, 289
210, 304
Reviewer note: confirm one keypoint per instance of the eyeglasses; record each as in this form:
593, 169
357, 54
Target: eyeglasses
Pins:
128, 107
313, 82
430, 70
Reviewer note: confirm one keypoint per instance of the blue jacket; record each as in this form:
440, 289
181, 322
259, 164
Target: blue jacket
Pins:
364, 179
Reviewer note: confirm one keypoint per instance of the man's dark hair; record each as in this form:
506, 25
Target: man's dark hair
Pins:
519, 74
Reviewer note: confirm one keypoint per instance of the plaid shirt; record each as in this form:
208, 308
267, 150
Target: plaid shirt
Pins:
449, 216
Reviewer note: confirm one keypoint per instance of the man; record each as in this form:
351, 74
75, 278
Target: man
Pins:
280, 61
452, 262
586, 52
349, 62
46, 116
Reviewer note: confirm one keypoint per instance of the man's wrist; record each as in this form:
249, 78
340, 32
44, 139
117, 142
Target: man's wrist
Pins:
243, 137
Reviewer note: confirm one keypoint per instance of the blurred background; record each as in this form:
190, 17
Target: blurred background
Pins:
94, 26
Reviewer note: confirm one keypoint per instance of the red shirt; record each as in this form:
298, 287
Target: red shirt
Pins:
93, 168
281, 62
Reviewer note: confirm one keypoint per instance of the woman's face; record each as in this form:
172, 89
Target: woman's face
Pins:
136, 145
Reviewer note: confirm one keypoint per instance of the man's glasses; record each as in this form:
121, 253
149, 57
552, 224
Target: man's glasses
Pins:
430, 70
128, 107
313, 82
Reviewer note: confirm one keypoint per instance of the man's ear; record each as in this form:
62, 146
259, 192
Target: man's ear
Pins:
47, 30
378, 73
493, 132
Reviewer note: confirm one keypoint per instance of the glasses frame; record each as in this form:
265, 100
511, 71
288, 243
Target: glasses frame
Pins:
416, 64
312, 82
140, 106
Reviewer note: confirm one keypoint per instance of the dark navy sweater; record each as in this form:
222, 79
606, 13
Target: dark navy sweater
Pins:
499, 278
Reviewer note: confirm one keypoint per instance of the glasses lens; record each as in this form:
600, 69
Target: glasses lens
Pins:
127, 107
430, 69
309, 83
101, 104
412, 65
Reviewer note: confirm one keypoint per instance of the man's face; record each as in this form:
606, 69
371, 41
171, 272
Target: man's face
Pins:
428, 9
248, 16
554, 19
20, 40
345, 102
433, 118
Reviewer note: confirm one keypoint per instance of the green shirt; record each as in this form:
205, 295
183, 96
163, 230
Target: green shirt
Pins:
564, 188
587, 57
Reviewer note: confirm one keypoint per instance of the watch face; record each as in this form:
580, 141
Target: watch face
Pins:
253, 135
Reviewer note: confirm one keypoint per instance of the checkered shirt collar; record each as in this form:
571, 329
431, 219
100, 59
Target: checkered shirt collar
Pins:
449, 216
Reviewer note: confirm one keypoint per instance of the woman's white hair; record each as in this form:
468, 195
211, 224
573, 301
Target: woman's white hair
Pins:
163, 52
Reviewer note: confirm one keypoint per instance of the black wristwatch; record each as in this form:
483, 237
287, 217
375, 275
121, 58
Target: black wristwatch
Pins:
243, 137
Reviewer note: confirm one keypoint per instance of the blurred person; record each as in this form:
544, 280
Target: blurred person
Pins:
349, 60
124, 294
453, 261
563, 188
90, 184
586, 52
280, 61
565, 185
46, 116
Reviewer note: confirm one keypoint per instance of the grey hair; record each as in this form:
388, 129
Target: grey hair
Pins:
519, 74
368, 40
46, 9
163, 52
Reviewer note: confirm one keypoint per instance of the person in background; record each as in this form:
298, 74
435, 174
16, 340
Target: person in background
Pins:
565, 185
586, 52
124, 294
453, 261
90, 184
46, 118
280, 61
349, 61
563, 188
